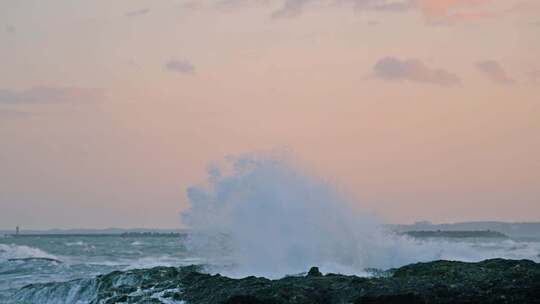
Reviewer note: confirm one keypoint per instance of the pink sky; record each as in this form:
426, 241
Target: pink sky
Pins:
414, 109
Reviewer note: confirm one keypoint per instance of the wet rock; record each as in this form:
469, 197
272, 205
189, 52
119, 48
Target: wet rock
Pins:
246, 300
314, 272
490, 281
391, 299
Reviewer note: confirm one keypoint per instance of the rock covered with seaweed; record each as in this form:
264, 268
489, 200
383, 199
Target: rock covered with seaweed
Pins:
490, 281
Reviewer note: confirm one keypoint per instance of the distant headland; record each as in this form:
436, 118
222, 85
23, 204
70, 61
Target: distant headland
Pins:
512, 230
456, 234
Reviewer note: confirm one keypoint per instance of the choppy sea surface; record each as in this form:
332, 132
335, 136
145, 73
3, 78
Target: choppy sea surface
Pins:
40, 259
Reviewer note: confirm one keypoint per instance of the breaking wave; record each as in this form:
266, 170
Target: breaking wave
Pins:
12, 252
265, 217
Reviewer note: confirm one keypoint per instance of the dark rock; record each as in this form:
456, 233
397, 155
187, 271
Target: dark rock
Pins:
247, 300
314, 272
391, 299
490, 281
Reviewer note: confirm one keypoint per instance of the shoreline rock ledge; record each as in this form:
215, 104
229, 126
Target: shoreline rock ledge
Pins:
489, 281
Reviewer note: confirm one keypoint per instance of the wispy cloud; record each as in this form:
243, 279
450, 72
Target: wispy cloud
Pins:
49, 94
180, 66
231, 4
435, 11
139, 12
393, 69
444, 11
379, 5
494, 72
291, 8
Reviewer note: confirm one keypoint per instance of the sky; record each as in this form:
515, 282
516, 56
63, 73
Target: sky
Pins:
413, 109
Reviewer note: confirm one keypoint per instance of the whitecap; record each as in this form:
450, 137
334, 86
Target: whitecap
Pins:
12, 251
78, 243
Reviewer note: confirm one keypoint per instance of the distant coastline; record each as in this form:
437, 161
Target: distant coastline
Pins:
456, 234
512, 230
82, 235
94, 232
423, 229
509, 229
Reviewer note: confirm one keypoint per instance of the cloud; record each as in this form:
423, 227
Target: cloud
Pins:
291, 8
233, 4
139, 12
442, 11
380, 5
393, 6
49, 94
194, 5
180, 66
494, 72
435, 11
393, 69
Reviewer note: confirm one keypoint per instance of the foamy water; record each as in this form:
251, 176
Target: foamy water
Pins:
26, 260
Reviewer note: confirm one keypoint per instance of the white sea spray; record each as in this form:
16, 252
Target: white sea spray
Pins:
266, 217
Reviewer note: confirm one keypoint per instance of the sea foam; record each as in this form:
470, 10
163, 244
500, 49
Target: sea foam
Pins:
271, 219
266, 217
12, 251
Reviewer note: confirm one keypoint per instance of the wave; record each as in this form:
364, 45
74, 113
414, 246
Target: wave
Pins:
12, 252
35, 259
78, 243
151, 285
271, 219
158, 261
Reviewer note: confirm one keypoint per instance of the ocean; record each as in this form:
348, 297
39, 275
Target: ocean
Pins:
57, 258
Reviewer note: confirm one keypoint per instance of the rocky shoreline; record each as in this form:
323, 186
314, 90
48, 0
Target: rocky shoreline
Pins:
490, 281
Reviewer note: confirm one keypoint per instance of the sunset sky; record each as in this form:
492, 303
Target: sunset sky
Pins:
413, 109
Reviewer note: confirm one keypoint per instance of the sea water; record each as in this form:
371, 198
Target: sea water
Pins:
37, 259
41, 259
